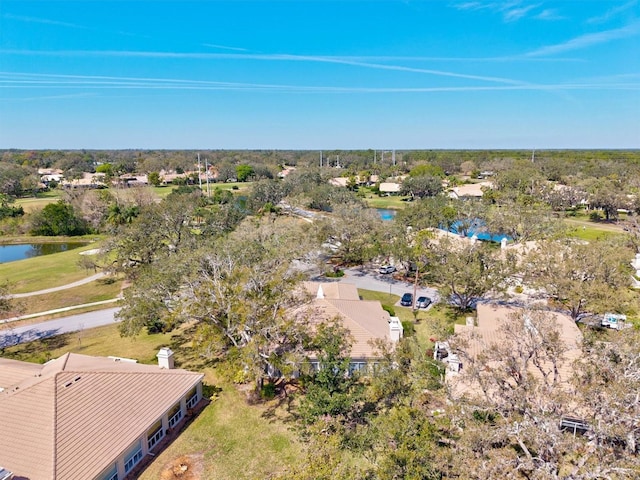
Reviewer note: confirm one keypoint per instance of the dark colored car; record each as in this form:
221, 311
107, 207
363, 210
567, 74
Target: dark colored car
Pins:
407, 300
423, 302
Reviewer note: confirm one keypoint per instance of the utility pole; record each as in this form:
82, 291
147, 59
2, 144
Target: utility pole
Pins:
206, 165
199, 177
320, 158
393, 156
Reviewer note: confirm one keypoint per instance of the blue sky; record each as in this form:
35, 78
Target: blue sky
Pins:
320, 74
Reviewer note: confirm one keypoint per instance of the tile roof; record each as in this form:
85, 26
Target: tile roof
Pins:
74, 416
488, 332
365, 319
335, 290
13, 372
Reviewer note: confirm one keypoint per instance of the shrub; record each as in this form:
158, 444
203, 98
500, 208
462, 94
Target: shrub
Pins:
336, 273
408, 327
389, 309
268, 391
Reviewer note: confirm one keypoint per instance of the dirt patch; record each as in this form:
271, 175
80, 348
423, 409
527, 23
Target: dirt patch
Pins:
185, 467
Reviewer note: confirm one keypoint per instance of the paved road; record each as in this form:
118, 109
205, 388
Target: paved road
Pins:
73, 323
371, 280
61, 287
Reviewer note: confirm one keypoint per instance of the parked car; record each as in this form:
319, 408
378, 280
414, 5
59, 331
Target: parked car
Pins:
423, 302
387, 269
407, 300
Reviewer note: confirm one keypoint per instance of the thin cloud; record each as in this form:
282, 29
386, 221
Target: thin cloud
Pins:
88, 82
613, 12
44, 21
588, 40
224, 47
248, 56
511, 11
549, 14
517, 13
269, 57
48, 97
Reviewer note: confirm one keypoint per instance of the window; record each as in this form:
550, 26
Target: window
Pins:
357, 367
112, 474
175, 415
156, 436
192, 397
133, 457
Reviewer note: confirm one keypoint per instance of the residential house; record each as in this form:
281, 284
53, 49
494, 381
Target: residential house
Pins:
366, 320
480, 335
469, 190
82, 417
389, 187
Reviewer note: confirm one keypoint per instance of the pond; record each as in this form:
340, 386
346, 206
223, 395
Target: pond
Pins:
13, 253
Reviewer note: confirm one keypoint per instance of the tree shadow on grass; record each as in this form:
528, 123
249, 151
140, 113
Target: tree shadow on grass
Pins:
282, 407
37, 350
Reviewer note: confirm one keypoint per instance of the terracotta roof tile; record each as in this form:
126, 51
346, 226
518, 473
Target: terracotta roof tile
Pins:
82, 413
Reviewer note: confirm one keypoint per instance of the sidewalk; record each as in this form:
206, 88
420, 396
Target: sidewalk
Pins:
61, 287
57, 310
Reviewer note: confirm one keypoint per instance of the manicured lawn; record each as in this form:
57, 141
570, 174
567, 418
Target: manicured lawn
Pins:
32, 204
373, 200
103, 289
586, 229
101, 341
46, 271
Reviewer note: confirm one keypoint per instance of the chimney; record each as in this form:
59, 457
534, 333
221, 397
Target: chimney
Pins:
165, 358
395, 329
320, 292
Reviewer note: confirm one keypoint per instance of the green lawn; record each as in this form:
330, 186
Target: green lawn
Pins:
373, 200
586, 229
32, 204
97, 291
237, 440
101, 341
47, 271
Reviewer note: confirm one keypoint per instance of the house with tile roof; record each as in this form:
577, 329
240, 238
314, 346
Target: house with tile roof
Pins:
487, 331
366, 320
82, 417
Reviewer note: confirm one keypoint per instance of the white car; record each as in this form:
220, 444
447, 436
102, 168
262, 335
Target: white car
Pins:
387, 269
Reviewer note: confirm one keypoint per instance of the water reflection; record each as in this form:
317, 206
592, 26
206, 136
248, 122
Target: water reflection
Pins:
13, 253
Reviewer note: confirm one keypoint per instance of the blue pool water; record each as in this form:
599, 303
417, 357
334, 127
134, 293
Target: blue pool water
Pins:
386, 214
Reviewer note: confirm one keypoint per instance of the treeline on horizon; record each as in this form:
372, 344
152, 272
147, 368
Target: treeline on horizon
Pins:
19, 168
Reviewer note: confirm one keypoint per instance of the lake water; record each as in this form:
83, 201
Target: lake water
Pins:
13, 253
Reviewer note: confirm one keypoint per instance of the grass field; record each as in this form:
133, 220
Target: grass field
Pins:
46, 271
236, 440
394, 202
103, 289
586, 229
32, 204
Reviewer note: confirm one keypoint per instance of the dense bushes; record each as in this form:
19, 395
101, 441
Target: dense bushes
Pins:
58, 219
